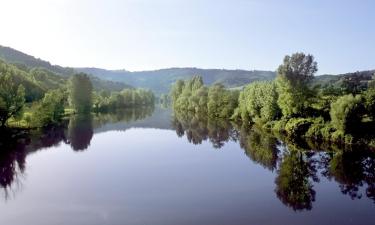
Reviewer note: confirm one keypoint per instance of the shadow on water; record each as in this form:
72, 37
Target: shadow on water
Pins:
298, 164
77, 131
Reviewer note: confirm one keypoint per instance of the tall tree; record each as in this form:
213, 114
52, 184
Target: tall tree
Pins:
293, 78
12, 98
80, 93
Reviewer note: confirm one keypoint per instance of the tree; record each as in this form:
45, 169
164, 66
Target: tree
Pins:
177, 90
12, 98
293, 78
50, 110
80, 93
369, 96
258, 102
346, 113
221, 102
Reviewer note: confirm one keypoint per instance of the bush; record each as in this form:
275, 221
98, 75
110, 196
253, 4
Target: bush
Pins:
258, 102
298, 126
337, 136
346, 113
278, 125
315, 130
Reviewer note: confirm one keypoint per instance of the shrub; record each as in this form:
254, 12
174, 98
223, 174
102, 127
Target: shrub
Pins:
315, 130
298, 126
346, 113
278, 125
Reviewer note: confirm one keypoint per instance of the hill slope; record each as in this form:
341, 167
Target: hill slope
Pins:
160, 81
27, 63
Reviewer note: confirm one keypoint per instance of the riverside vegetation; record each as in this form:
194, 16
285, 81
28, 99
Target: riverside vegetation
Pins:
32, 98
291, 104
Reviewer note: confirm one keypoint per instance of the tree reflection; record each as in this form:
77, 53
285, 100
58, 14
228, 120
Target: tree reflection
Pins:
199, 128
294, 180
298, 163
15, 146
259, 146
126, 115
80, 131
353, 170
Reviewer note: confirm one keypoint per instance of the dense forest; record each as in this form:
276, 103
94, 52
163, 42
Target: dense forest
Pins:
38, 97
293, 103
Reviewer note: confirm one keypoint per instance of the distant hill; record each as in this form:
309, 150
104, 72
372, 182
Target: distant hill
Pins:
362, 77
16, 57
161, 80
27, 63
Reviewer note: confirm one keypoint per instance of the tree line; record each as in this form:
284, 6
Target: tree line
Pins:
290, 104
76, 96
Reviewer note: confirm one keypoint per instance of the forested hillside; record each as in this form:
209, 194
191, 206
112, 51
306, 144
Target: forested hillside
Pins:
52, 74
160, 81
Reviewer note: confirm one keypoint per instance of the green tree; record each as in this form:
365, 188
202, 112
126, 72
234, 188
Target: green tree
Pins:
293, 78
176, 90
221, 102
50, 110
12, 98
80, 93
346, 113
369, 96
258, 102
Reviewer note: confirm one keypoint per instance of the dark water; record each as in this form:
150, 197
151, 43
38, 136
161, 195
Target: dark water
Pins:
146, 167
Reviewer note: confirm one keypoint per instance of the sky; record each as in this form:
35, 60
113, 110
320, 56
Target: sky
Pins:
152, 34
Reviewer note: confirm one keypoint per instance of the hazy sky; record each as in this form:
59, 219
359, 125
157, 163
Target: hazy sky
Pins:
152, 34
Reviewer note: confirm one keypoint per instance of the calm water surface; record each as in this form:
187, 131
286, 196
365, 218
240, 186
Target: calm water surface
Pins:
147, 167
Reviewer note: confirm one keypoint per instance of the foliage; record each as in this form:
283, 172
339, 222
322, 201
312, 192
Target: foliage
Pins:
127, 98
191, 95
346, 113
297, 126
164, 100
12, 98
80, 93
221, 102
369, 97
293, 78
50, 109
258, 102
33, 91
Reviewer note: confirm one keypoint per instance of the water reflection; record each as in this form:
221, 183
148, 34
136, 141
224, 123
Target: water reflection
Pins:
126, 115
259, 146
199, 128
80, 131
295, 177
16, 145
298, 164
77, 131
353, 171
